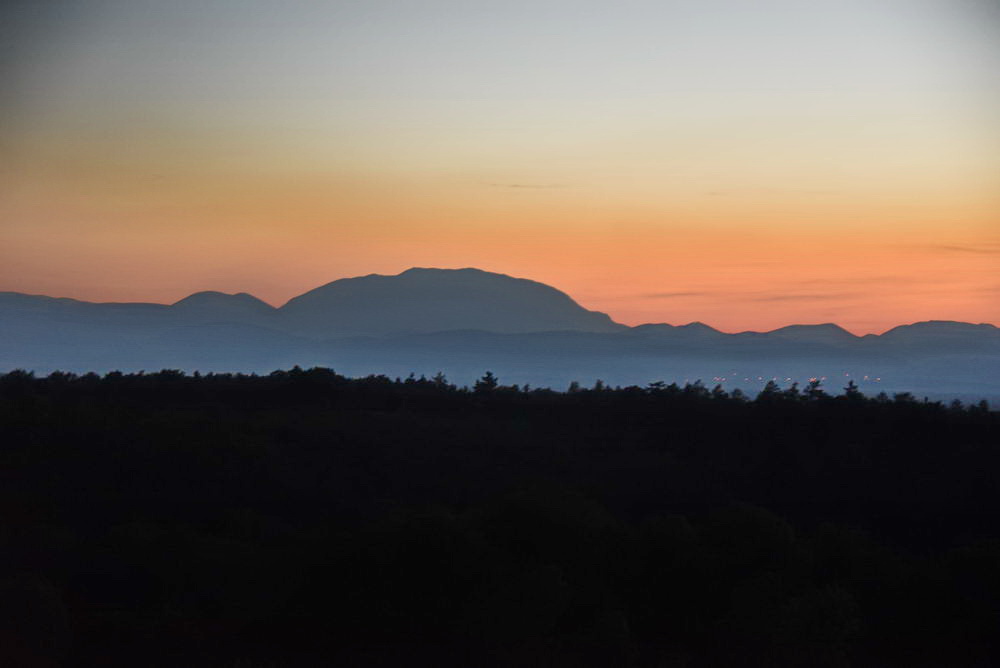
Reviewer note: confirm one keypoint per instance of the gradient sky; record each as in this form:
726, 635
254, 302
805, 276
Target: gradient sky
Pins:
745, 164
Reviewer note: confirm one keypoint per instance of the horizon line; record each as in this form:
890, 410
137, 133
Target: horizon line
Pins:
644, 324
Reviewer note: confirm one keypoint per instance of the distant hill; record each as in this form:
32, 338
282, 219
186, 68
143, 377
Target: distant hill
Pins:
828, 333
417, 301
464, 321
435, 300
211, 306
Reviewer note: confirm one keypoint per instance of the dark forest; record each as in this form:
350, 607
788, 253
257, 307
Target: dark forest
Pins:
303, 518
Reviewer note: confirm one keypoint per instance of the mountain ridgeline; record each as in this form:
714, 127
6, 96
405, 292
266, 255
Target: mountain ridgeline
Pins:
434, 300
415, 301
463, 321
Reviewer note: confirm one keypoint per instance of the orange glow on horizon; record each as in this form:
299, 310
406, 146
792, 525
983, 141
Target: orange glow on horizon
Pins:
734, 279
735, 186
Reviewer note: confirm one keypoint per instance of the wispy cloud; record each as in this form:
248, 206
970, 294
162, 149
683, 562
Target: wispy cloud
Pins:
979, 249
529, 186
754, 297
857, 280
805, 297
673, 295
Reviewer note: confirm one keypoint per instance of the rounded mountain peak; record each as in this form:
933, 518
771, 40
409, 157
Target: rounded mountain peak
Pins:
826, 332
214, 297
421, 300
214, 306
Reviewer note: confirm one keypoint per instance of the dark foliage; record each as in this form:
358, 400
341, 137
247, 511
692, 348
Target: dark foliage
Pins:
304, 518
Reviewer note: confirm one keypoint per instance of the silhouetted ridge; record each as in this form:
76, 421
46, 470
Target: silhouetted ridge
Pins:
19, 300
692, 331
423, 300
940, 328
211, 299
460, 321
824, 333
218, 307
214, 298
699, 327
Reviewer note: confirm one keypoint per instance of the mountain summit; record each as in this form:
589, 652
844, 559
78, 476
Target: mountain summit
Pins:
463, 321
212, 306
433, 300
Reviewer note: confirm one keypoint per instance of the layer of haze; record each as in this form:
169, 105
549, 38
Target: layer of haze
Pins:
746, 164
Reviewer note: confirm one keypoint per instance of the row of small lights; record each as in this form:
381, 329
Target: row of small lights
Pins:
723, 379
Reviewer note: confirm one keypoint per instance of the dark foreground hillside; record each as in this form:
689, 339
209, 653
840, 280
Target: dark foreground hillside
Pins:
304, 518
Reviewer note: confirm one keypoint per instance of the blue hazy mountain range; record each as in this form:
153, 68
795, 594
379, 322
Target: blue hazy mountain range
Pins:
464, 321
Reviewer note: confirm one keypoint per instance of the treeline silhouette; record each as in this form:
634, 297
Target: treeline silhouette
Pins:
306, 518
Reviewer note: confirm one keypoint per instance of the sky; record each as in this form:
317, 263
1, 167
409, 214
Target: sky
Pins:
744, 164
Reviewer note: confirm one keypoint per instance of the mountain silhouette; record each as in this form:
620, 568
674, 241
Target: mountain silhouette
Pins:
464, 321
940, 329
826, 333
212, 306
433, 300
691, 332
